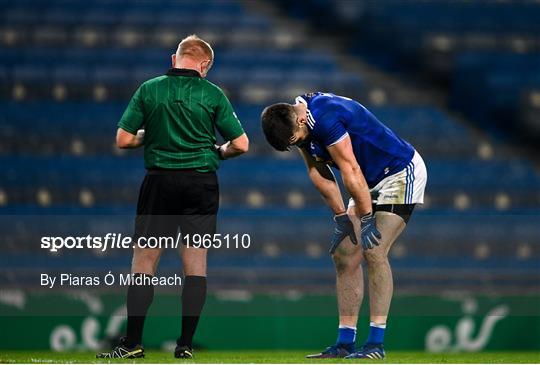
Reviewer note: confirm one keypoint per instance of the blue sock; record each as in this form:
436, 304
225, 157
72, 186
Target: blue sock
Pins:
376, 333
346, 335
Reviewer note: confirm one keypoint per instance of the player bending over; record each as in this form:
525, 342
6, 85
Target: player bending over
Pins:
385, 177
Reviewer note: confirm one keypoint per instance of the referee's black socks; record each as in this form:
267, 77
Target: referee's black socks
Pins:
193, 298
139, 298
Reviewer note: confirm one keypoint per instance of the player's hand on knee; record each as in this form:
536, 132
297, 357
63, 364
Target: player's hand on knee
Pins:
343, 228
369, 233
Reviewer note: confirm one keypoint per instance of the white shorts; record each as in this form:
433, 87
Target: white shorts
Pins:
404, 187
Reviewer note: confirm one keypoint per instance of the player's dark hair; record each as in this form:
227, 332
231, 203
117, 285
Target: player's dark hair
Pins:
278, 125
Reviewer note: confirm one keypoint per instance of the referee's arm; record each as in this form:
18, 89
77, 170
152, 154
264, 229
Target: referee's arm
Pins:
125, 139
129, 134
231, 130
234, 148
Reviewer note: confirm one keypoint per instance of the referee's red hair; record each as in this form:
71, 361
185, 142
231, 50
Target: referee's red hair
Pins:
195, 48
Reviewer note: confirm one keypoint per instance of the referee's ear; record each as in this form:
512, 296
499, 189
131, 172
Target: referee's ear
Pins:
173, 60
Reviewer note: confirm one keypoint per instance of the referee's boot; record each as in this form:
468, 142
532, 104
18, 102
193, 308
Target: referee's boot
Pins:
122, 351
183, 352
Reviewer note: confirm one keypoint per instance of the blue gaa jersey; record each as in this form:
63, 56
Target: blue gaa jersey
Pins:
378, 150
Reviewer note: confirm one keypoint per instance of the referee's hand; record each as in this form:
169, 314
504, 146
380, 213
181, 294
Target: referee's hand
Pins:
221, 150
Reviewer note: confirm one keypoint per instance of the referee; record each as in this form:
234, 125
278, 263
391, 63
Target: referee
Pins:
179, 112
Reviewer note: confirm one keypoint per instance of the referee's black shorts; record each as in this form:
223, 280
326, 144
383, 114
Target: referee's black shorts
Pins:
177, 201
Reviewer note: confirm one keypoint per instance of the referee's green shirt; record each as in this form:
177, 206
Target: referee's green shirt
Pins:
180, 112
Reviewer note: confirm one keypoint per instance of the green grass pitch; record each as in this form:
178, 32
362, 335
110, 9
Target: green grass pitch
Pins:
261, 357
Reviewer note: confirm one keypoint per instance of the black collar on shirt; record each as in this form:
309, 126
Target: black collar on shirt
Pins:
183, 72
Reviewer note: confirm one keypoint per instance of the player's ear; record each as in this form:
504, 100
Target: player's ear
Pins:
301, 120
173, 59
